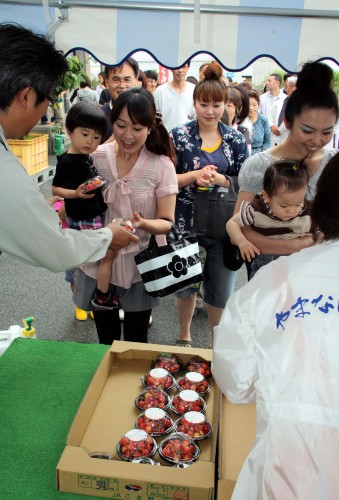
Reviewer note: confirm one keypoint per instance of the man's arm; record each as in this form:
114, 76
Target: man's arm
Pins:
31, 232
235, 364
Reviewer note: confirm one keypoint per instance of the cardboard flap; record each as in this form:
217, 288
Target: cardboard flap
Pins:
134, 349
77, 460
236, 433
89, 401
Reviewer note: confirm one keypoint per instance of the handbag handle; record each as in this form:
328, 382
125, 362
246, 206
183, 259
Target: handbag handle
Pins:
234, 186
172, 237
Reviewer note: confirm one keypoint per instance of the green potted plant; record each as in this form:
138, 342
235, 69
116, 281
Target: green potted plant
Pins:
70, 81
58, 138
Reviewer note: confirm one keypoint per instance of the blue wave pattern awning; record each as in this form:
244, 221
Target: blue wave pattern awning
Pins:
234, 32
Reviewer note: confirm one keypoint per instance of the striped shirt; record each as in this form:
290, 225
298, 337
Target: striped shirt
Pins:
259, 216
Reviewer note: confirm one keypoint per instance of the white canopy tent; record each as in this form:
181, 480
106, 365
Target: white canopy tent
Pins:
235, 32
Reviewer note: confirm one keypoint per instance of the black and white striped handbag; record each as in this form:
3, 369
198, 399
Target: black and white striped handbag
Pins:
172, 267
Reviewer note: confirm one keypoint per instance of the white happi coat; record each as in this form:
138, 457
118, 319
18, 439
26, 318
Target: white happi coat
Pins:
277, 345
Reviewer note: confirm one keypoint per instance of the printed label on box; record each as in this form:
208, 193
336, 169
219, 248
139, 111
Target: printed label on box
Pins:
160, 491
154, 491
98, 483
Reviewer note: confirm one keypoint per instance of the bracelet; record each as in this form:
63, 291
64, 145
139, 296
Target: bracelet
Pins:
167, 220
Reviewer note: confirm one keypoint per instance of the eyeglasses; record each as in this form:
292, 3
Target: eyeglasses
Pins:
116, 80
51, 100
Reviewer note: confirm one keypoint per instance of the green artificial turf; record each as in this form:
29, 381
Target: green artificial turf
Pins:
42, 383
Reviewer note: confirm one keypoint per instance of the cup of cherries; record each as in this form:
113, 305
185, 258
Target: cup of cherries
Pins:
160, 378
136, 443
169, 362
187, 400
152, 397
194, 425
93, 184
179, 448
199, 365
155, 422
194, 381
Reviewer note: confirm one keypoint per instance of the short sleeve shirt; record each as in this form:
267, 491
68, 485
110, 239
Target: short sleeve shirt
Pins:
252, 172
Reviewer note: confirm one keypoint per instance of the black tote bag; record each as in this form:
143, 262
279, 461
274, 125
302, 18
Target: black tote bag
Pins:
172, 267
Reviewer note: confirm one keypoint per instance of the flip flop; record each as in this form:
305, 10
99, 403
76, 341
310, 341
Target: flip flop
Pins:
183, 343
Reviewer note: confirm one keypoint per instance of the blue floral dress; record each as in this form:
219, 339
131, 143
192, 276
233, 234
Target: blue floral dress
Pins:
187, 143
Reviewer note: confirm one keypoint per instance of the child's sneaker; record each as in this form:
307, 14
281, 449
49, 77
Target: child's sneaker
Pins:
104, 301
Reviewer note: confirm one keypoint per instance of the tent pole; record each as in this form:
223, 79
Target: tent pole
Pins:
189, 8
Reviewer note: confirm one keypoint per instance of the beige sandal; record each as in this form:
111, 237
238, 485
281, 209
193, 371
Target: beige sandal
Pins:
183, 343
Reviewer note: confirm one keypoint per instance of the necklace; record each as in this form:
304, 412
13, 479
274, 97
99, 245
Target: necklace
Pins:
209, 146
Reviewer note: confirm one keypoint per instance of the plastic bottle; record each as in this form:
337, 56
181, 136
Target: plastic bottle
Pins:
14, 331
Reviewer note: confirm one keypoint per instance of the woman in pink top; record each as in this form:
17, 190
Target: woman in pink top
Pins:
142, 188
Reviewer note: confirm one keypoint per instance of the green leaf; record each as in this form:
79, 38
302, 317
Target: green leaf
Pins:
71, 78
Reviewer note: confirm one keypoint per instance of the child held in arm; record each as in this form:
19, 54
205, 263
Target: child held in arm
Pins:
84, 203
279, 211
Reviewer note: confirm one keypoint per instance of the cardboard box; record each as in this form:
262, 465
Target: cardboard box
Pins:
32, 153
236, 437
107, 411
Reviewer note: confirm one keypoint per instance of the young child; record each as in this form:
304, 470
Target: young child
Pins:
85, 125
279, 211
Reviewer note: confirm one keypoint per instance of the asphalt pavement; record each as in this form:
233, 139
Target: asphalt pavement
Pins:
32, 291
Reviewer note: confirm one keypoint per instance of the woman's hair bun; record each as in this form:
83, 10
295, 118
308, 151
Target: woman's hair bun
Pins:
213, 71
315, 77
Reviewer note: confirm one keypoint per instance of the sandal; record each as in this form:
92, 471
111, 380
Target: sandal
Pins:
183, 343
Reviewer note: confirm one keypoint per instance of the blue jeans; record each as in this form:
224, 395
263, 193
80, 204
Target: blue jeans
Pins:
261, 260
219, 282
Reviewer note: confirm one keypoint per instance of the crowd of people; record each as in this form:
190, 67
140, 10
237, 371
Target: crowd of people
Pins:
158, 147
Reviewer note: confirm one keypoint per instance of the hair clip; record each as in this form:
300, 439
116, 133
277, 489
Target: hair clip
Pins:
295, 167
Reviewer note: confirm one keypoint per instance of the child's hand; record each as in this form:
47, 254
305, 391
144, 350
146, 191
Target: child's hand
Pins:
80, 194
53, 199
248, 251
137, 220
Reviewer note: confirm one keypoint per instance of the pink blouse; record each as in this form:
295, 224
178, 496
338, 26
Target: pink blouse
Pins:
152, 177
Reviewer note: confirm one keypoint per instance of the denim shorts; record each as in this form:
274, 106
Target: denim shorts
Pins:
219, 282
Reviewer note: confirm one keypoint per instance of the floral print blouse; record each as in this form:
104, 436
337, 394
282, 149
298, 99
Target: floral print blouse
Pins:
187, 143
